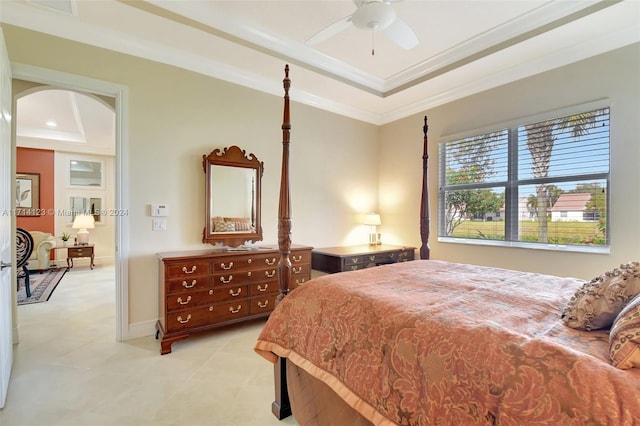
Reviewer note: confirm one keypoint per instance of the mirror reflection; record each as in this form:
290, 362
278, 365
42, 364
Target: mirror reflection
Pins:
233, 188
85, 173
233, 199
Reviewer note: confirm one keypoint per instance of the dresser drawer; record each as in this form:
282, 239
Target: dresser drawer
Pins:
300, 271
187, 284
187, 269
298, 281
80, 251
190, 299
211, 314
244, 277
264, 288
231, 310
300, 257
403, 255
189, 318
266, 303
248, 261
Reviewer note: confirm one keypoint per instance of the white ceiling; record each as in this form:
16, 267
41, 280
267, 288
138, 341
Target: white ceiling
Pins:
465, 46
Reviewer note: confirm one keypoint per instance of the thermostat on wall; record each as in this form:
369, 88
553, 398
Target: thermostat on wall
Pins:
159, 210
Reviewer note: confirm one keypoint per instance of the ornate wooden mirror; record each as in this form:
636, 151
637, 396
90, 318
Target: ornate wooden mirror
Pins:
233, 197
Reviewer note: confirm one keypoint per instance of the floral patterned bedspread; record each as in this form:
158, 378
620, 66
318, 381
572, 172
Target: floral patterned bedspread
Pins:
429, 342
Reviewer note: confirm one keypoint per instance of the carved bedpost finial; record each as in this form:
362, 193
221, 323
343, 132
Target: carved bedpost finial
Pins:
424, 206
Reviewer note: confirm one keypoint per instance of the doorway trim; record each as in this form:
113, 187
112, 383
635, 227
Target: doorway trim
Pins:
121, 94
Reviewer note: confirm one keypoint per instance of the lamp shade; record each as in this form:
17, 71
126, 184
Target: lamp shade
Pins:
83, 221
372, 219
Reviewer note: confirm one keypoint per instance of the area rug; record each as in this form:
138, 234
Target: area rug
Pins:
41, 284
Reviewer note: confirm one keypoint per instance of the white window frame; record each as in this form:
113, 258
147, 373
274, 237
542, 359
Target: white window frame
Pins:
549, 115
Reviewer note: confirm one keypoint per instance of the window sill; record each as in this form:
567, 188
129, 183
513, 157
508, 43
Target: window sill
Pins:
531, 246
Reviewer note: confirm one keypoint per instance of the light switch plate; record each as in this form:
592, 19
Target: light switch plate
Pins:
159, 224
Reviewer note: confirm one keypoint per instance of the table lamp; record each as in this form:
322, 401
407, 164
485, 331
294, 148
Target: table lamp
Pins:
83, 222
373, 220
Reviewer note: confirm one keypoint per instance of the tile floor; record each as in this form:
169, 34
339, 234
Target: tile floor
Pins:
69, 370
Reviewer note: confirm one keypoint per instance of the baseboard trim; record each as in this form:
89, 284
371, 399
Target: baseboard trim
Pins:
141, 329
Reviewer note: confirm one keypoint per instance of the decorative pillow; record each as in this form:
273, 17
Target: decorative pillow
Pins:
242, 226
237, 219
597, 303
624, 338
223, 227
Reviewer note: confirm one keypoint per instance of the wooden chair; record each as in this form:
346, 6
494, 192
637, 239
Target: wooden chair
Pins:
24, 243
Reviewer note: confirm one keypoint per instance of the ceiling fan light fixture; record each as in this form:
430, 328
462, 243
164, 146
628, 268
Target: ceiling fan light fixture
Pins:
374, 16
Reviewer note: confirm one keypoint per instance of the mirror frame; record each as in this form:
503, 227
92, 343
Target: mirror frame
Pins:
232, 156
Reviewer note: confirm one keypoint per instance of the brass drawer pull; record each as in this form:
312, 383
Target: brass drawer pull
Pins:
301, 281
210, 292
225, 280
181, 321
260, 288
270, 274
186, 285
297, 270
226, 267
235, 311
180, 301
270, 263
354, 260
263, 304
210, 308
372, 258
186, 271
297, 258
237, 293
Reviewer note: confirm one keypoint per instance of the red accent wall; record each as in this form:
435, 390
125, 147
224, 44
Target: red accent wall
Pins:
41, 161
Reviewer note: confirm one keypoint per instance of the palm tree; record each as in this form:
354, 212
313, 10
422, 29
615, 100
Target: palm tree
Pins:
540, 141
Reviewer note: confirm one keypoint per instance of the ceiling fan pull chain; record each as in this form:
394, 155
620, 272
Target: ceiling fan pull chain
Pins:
373, 41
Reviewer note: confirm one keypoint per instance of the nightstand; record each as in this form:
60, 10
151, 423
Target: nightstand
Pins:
77, 251
351, 258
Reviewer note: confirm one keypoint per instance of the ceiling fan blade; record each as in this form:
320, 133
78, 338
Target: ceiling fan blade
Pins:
401, 34
329, 31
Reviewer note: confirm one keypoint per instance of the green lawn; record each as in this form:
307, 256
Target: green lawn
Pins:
582, 233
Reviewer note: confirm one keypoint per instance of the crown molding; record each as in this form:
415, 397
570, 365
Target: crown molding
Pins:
67, 27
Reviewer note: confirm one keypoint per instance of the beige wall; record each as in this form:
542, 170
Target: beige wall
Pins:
340, 167
612, 76
176, 116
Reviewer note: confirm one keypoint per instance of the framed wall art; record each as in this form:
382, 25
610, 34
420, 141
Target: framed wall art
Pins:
27, 194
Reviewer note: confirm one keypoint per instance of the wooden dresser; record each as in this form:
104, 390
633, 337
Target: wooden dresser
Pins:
351, 258
206, 289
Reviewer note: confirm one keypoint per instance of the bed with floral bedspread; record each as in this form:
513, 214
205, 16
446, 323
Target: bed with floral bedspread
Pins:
430, 342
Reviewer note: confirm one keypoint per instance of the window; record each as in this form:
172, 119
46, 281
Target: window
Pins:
545, 182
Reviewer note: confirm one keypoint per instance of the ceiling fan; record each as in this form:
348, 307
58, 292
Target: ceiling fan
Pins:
374, 16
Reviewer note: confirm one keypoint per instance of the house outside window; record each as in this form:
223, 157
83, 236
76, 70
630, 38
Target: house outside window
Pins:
541, 184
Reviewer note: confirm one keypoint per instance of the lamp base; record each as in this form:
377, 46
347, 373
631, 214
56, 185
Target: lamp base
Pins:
82, 237
374, 239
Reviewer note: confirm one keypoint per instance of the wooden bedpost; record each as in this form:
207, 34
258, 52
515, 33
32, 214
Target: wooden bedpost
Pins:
284, 208
424, 205
281, 407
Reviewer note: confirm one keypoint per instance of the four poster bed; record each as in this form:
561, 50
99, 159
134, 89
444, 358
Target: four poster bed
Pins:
432, 342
